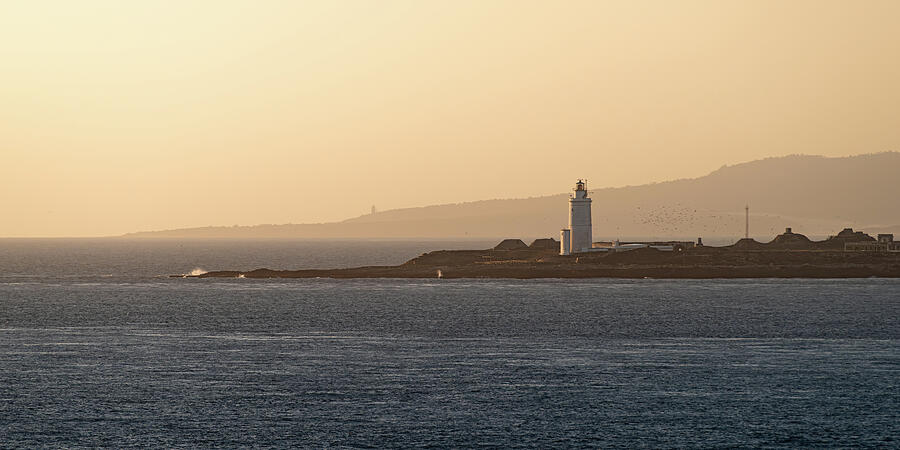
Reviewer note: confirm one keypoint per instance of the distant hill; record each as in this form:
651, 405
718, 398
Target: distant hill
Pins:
814, 195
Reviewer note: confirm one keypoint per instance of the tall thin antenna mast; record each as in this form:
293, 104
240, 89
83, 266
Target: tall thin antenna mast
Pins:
747, 221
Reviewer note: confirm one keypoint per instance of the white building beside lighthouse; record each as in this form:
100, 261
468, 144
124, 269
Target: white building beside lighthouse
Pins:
577, 238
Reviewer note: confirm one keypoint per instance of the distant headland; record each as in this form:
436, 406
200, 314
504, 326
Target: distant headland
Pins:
815, 194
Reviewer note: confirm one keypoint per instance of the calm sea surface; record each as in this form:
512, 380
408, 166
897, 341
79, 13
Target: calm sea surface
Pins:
99, 349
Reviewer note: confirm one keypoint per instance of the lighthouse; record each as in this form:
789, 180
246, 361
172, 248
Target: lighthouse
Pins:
577, 238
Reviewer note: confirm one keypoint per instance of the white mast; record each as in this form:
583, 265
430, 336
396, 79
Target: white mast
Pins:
747, 221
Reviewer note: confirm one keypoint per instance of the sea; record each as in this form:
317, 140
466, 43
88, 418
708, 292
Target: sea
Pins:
99, 347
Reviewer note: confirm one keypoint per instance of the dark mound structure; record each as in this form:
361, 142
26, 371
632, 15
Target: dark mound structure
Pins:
846, 235
747, 244
790, 240
547, 244
511, 244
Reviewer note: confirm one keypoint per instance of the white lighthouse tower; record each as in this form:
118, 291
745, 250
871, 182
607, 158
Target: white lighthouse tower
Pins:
577, 238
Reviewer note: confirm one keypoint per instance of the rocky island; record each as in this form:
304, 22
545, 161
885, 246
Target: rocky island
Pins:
848, 254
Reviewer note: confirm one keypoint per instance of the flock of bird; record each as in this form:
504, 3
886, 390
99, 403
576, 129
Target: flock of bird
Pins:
680, 219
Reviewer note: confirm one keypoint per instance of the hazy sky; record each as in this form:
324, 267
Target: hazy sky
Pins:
119, 116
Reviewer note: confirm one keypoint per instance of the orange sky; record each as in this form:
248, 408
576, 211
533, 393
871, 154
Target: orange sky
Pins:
124, 116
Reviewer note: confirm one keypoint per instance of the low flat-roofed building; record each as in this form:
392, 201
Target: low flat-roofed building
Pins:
616, 246
884, 243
